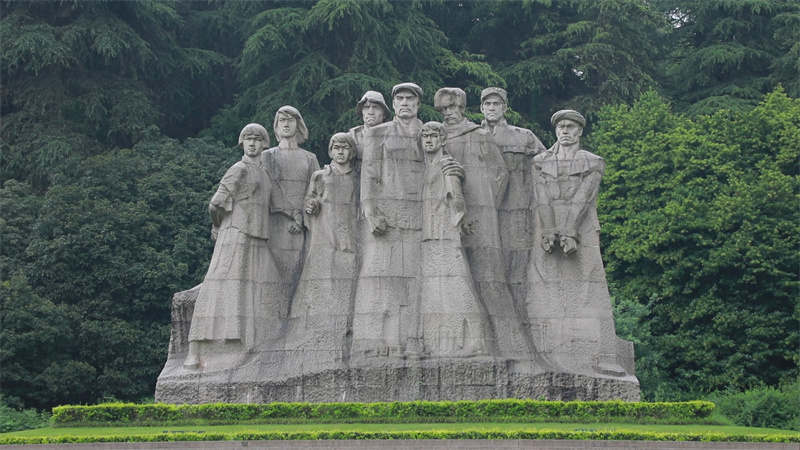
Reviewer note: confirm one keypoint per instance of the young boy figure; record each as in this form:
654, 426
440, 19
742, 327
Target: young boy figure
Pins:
454, 323
236, 307
320, 312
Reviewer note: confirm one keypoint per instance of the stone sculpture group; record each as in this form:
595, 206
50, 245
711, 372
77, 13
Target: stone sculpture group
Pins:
427, 261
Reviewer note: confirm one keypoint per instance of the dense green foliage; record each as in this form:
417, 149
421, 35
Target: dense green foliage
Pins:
104, 217
762, 407
17, 420
702, 225
467, 433
86, 308
529, 410
82, 77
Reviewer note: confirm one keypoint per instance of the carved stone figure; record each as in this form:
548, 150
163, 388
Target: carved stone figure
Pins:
290, 168
236, 305
568, 301
518, 147
320, 313
455, 323
373, 111
386, 317
486, 179
403, 294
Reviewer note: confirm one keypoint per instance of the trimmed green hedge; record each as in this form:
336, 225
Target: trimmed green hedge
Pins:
426, 434
117, 414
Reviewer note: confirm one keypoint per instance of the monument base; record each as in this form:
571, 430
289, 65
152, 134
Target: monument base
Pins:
285, 376
440, 379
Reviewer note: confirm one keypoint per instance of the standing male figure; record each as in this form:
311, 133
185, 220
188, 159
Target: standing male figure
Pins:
386, 312
569, 304
518, 147
373, 111
486, 179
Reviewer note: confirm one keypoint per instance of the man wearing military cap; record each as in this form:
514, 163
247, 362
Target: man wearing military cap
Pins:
518, 147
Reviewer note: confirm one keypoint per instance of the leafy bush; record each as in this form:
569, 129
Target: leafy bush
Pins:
12, 419
763, 407
418, 411
407, 434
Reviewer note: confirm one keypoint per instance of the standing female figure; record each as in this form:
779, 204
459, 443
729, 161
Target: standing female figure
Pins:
235, 308
290, 169
321, 311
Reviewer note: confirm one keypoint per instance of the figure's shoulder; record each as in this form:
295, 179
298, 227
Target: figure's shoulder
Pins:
587, 155
593, 162
519, 130
319, 175
311, 157
383, 128
239, 166
545, 155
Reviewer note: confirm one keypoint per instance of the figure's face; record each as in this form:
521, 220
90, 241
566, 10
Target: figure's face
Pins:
493, 108
453, 113
372, 113
253, 144
287, 125
341, 152
568, 132
405, 103
431, 140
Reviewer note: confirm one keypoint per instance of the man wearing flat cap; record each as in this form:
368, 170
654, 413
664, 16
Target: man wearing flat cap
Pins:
567, 300
373, 111
392, 175
485, 182
518, 147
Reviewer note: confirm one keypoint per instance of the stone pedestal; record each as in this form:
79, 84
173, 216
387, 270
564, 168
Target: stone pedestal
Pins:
285, 376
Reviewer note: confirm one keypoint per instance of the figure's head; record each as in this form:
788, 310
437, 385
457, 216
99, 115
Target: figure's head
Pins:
451, 103
289, 125
372, 108
253, 139
494, 103
406, 99
569, 126
342, 148
432, 137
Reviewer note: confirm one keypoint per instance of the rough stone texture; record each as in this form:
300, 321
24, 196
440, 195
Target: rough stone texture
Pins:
410, 300
518, 147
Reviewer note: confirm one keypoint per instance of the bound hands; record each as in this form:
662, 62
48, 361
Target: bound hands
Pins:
297, 225
568, 243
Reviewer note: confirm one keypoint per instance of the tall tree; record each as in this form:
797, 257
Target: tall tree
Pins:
80, 77
322, 56
116, 236
728, 54
703, 229
553, 55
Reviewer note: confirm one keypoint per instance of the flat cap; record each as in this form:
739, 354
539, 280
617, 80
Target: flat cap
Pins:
375, 97
500, 92
570, 114
408, 86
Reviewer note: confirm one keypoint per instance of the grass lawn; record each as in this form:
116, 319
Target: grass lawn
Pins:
690, 429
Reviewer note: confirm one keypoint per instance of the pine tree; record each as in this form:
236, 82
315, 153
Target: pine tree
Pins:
728, 54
